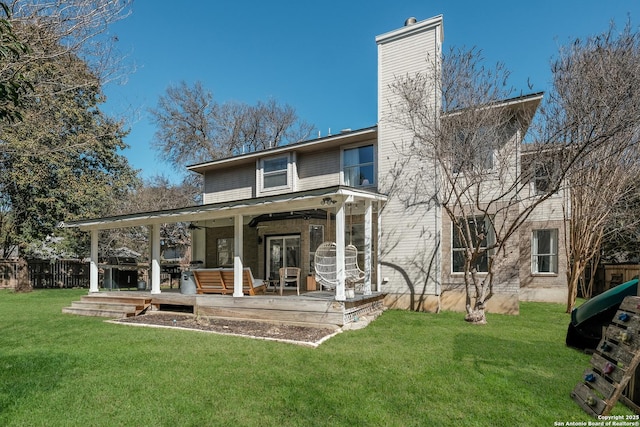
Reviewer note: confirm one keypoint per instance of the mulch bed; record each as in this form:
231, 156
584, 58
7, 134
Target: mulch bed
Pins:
282, 332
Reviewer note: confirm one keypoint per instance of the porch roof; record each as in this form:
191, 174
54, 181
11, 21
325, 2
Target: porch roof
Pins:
313, 199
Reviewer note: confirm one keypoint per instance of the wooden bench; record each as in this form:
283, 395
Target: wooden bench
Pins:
221, 280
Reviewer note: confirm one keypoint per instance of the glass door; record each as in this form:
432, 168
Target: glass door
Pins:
282, 251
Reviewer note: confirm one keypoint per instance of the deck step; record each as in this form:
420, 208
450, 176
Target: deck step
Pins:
95, 312
139, 302
108, 306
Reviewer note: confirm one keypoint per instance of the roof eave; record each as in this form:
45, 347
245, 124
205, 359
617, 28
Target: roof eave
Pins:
247, 207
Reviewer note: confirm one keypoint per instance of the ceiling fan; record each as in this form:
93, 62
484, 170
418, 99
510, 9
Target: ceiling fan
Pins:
193, 226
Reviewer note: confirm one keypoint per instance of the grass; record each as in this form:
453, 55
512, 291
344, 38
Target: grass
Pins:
404, 369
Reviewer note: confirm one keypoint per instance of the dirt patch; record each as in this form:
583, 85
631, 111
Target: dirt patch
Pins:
282, 332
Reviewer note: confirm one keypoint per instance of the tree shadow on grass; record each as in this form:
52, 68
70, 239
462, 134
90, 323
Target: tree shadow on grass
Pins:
27, 374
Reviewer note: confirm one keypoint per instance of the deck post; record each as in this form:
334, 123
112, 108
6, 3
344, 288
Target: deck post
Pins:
93, 263
155, 259
367, 246
340, 242
237, 256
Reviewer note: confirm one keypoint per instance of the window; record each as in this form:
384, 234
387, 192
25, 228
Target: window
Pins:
359, 166
275, 172
316, 237
544, 251
225, 252
480, 229
541, 180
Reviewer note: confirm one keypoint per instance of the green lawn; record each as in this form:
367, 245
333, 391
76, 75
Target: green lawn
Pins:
404, 369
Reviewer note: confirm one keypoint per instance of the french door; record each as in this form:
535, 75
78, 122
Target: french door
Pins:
282, 251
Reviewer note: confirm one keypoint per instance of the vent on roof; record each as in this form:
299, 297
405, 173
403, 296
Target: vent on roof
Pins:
347, 130
410, 21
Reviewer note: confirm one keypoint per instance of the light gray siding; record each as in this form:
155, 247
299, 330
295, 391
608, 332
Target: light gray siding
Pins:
228, 184
410, 246
318, 169
309, 169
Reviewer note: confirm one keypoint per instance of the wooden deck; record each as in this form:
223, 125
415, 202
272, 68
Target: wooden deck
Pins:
317, 308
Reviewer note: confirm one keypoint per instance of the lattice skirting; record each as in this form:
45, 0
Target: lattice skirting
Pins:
352, 314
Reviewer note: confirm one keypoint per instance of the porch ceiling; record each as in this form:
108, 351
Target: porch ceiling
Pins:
316, 199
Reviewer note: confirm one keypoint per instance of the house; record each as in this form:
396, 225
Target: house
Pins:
273, 208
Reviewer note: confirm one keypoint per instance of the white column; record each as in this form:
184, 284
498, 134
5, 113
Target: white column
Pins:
368, 216
155, 259
378, 241
340, 273
237, 256
93, 263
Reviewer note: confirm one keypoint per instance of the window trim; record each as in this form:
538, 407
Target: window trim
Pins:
553, 255
287, 170
373, 163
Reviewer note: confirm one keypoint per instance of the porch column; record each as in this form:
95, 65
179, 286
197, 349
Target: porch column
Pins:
155, 259
237, 256
93, 263
368, 216
340, 229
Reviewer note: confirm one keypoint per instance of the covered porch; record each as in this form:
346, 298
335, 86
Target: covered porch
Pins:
243, 218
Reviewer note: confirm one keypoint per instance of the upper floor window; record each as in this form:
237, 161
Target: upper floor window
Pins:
359, 166
541, 180
543, 176
544, 251
275, 172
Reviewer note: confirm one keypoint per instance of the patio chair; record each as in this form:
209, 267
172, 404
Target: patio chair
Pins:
325, 265
326, 268
289, 275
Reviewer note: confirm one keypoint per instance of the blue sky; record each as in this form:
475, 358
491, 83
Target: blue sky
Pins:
320, 56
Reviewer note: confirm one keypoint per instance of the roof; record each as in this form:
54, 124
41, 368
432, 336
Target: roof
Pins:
344, 137
529, 102
312, 199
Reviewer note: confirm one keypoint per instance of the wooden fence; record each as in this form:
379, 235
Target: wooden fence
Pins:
63, 273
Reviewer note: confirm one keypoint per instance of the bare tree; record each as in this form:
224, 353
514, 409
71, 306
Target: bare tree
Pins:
620, 243
464, 159
154, 194
593, 111
588, 127
72, 27
192, 127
